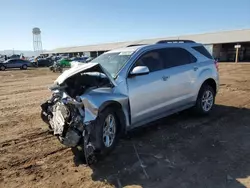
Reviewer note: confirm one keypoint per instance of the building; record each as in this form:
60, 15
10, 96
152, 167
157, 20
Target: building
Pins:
220, 44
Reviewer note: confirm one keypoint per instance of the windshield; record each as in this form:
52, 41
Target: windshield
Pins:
113, 62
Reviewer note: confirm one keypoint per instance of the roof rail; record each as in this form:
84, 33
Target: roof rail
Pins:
174, 41
131, 45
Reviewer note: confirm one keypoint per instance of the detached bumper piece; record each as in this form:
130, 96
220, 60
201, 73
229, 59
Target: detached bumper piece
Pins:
44, 113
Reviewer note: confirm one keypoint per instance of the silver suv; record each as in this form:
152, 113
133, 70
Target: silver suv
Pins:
93, 104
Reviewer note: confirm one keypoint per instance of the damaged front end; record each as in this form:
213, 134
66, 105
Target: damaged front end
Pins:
65, 117
65, 113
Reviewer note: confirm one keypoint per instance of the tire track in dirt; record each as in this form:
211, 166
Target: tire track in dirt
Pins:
14, 108
22, 106
20, 91
18, 163
26, 139
19, 123
41, 145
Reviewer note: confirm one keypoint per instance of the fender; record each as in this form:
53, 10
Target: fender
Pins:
97, 99
205, 75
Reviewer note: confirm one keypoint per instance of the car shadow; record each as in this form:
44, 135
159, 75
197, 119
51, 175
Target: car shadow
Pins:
181, 151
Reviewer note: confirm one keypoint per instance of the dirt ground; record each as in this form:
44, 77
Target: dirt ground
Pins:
179, 151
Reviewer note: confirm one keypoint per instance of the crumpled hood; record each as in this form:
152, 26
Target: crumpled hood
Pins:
72, 71
80, 68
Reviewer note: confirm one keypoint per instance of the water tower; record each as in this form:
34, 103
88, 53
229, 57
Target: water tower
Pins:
37, 41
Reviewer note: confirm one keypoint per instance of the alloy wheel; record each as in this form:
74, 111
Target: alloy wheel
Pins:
109, 130
207, 100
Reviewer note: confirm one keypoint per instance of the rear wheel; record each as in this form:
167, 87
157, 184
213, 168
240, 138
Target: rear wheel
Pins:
2, 67
24, 67
205, 100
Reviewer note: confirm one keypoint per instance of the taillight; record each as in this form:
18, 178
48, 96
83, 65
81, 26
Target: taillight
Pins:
216, 65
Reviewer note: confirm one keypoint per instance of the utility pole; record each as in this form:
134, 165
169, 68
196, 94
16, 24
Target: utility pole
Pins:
237, 52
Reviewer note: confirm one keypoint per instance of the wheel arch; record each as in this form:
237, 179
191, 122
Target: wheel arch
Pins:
211, 82
119, 112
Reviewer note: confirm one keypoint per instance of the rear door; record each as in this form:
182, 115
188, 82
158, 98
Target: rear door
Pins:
19, 63
180, 76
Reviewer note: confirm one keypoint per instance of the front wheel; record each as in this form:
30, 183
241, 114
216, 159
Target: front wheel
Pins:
205, 100
2, 67
106, 131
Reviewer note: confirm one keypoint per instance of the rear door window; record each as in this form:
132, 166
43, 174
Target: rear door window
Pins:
176, 57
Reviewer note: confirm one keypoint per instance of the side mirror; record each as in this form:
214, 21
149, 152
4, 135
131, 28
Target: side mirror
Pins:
139, 70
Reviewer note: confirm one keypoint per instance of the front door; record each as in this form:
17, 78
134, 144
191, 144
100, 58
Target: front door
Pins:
11, 63
147, 92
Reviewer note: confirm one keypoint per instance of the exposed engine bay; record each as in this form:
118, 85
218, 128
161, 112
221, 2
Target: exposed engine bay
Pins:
64, 111
81, 83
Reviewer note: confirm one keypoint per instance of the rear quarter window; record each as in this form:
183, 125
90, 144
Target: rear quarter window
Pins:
202, 50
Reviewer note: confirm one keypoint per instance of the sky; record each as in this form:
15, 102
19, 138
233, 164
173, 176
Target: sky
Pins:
81, 22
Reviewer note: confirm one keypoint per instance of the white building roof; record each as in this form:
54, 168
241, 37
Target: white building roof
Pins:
206, 38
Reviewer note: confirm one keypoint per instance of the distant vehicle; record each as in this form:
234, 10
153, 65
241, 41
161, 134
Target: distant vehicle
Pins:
15, 63
64, 56
44, 62
79, 59
64, 62
56, 58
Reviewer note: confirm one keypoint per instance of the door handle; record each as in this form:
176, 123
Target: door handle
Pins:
196, 68
165, 78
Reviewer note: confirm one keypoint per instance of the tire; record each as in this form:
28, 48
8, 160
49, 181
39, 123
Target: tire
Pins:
205, 101
24, 67
101, 143
2, 67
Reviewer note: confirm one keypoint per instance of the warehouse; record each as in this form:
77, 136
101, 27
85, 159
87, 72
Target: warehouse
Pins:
222, 45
